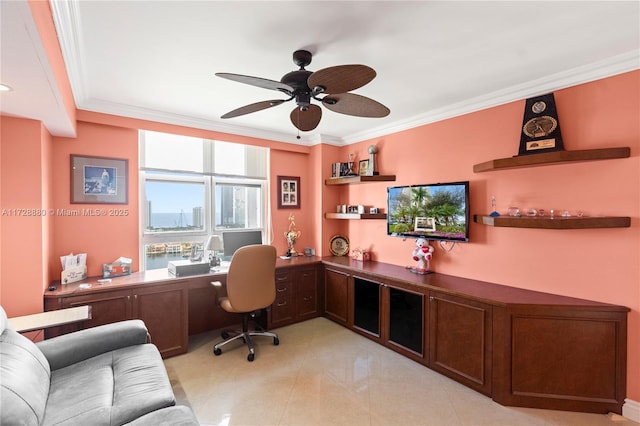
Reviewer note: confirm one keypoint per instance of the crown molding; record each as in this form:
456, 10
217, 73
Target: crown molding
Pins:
67, 21
619, 64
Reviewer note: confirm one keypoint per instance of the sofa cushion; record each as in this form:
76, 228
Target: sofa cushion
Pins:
178, 415
109, 389
24, 379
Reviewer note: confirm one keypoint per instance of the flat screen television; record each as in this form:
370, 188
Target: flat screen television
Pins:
438, 211
233, 240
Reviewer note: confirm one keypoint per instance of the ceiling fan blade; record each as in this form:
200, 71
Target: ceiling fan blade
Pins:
306, 120
352, 104
257, 81
341, 78
247, 109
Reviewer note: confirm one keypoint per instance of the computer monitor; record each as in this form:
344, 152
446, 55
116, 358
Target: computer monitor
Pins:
233, 240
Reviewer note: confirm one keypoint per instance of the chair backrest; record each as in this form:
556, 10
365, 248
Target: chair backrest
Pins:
251, 282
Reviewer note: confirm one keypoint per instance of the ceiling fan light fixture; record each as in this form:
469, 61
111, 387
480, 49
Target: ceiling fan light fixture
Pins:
335, 82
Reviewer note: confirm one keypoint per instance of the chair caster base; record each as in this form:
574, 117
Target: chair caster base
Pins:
217, 351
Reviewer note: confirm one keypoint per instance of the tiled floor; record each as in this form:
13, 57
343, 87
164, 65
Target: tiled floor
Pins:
324, 374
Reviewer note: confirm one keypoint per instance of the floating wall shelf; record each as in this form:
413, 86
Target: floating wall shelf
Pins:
358, 179
556, 157
355, 216
546, 222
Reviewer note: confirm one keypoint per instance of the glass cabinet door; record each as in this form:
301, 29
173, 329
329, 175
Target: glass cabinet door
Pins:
406, 319
366, 312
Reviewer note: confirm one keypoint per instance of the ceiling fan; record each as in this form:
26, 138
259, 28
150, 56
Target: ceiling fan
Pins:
329, 86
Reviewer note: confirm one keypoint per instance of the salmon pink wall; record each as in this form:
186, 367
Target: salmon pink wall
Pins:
104, 238
25, 220
283, 163
595, 264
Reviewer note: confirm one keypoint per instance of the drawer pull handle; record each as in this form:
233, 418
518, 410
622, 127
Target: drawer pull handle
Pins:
283, 289
282, 303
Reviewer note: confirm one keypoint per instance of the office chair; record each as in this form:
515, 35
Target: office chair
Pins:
251, 286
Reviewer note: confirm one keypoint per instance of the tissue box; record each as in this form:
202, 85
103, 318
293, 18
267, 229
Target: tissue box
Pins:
116, 269
71, 275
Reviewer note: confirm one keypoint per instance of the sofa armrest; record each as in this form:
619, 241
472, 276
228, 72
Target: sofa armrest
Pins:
74, 347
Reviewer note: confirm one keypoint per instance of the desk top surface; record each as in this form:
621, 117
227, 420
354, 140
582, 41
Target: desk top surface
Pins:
156, 276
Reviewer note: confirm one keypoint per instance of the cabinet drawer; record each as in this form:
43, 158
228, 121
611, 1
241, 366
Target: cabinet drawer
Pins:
282, 310
283, 289
282, 276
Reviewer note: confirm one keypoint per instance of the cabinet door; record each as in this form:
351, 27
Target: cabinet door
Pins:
282, 309
336, 295
106, 307
460, 340
406, 320
366, 305
306, 283
164, 310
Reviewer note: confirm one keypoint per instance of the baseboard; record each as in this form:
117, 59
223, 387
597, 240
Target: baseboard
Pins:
631, 410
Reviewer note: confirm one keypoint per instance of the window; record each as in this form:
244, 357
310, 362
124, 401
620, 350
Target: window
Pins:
191, 188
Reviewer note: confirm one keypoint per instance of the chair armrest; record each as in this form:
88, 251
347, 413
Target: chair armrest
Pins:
74, 347
217, 287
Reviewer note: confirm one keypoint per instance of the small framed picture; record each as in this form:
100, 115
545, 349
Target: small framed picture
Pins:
425, 224
363, 167
288, 192
99, 180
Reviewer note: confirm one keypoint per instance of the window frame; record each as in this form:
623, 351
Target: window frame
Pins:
210, 181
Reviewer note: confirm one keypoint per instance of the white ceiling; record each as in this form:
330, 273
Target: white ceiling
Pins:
156, 60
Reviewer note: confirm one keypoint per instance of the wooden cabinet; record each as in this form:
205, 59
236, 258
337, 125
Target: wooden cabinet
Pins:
560, 357
163, 308
520, 347
460, 339
296, 296
336, 285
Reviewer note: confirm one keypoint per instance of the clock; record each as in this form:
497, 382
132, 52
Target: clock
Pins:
339, 245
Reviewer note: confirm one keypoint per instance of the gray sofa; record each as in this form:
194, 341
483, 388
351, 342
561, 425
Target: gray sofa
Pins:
107, 375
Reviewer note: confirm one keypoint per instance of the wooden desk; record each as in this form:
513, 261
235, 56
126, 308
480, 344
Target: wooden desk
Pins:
175, 307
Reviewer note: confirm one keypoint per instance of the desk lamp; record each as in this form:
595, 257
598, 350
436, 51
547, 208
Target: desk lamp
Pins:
214, 243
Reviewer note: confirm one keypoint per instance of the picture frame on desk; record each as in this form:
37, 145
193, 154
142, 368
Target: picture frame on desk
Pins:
99, 180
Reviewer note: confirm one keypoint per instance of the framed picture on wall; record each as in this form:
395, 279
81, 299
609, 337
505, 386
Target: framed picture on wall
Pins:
288, 192
99, 180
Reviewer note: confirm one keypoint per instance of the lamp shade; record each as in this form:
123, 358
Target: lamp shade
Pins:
214, 243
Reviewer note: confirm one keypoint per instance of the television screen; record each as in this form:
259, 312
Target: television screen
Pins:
233, 240
437, 211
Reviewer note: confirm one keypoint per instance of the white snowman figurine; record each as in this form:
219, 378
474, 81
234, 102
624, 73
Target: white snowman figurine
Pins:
422, 255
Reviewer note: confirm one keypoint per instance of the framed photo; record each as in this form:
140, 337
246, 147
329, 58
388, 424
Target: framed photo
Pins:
363, 167
425, 224
99, 180
288, 192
